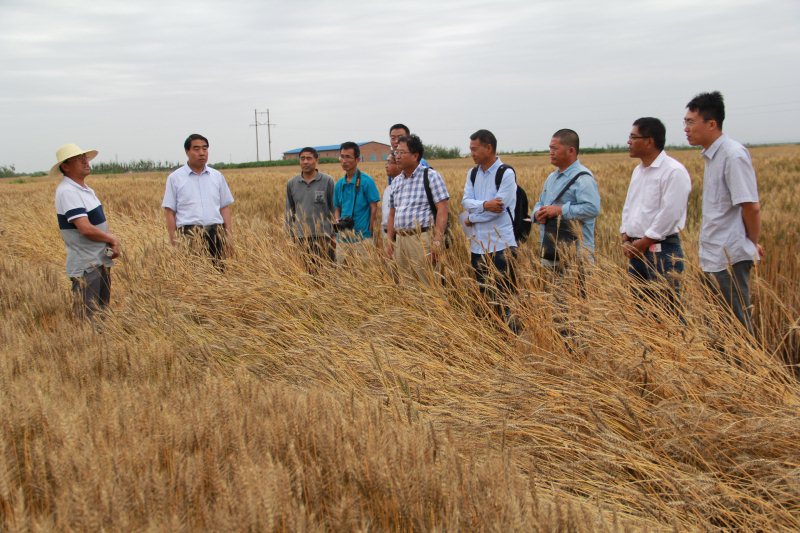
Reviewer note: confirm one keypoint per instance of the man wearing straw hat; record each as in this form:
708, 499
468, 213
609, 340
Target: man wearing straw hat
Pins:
90, 246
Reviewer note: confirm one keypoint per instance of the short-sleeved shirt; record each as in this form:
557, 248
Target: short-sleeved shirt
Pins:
344, 194
409, 201
197, 198
729, 180
309, 206
75, 201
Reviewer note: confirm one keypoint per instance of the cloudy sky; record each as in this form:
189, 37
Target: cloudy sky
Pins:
133, 79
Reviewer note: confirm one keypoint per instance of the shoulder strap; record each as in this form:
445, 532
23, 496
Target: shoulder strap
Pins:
573, 180
473, 175
498, 177
427, 184
355, 192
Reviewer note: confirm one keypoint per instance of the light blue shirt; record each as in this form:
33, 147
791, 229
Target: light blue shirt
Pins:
580, 202
493, 231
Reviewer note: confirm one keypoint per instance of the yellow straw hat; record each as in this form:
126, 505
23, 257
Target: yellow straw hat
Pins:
67, 151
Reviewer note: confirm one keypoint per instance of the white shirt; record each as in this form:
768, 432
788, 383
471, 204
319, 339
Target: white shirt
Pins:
196, 198
729, 181
387, 192
655, 206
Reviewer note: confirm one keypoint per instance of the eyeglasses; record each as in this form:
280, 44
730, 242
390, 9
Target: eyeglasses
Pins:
401, 152
690, 122
634, 137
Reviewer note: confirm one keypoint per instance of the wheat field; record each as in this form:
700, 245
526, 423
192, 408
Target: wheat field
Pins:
265, 398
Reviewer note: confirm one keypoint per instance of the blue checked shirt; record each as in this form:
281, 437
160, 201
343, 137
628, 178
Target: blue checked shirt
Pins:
410, 203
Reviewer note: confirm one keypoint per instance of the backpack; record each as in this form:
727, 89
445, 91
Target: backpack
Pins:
448, 237
520, 219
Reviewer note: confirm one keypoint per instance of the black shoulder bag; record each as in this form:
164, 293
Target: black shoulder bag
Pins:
556, 230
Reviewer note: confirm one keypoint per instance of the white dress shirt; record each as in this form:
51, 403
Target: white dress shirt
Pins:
196, 198
655, 206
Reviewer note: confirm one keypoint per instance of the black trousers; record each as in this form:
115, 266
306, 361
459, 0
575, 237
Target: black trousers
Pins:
213, 240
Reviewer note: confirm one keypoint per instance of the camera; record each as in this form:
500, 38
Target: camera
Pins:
344, 224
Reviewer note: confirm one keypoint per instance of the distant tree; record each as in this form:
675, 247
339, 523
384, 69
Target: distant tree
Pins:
7, 171
437, 151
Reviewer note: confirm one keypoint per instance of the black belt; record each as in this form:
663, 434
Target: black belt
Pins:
669, 239
409, 232
191, 227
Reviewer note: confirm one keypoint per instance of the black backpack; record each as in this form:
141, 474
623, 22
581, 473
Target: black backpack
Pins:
520, 219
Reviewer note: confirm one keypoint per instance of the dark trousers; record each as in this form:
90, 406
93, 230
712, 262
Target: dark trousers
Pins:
655, 268
319, 249
495, 274
732, 288
213, 238
91, 292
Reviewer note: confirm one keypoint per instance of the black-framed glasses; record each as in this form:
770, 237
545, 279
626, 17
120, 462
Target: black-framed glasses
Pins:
634, 137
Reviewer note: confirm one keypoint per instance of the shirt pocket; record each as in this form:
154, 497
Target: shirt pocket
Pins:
319, 197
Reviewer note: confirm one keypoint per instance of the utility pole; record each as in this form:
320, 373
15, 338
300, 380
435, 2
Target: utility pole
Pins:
268, 124
256, 123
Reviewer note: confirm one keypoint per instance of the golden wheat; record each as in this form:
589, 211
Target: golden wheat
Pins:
265, 398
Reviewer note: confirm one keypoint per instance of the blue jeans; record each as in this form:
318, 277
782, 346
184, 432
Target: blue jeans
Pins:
732, 287
664, 266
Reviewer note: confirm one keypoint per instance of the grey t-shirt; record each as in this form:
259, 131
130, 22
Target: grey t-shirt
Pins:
309, 206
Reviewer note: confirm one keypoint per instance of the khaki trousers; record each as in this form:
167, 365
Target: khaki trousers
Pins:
413, 256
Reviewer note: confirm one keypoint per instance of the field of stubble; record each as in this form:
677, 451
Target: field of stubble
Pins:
267, 399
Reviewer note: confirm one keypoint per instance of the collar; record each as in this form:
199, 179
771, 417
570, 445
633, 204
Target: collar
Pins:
658, 160
493, 168
315, 178
570, 169
75, 184
190, 171
420, 168
711, 151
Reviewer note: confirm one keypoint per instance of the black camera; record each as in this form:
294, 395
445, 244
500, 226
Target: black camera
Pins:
344, 224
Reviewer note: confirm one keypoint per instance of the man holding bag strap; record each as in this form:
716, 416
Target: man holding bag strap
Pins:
569, 194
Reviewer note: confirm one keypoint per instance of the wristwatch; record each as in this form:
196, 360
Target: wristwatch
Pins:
437, 243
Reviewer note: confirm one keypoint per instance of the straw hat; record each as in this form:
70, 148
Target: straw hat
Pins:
67, 151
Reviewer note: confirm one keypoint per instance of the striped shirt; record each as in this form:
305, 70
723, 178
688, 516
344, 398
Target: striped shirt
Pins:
75, 201
410, 203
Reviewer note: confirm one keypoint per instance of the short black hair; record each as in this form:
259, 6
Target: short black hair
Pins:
350, 145
569, 137
193, 137
414, 144
311, 150
485, 137
400, 127
710, 106
653, 128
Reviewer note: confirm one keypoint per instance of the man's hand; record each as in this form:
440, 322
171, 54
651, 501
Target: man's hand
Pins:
468, 223
546, 212
636, 248
115, 249
495, 205
388, 247
760, 251
436, 250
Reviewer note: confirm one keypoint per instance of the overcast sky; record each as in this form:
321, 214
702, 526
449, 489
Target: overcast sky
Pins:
133, 79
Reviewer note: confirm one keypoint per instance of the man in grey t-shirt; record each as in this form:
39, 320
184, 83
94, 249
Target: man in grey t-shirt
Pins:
731, 210
309, 207
90, 245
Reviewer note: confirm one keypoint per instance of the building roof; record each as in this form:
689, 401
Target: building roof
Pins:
329, 147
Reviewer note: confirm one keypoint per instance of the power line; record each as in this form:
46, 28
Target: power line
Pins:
269, 125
